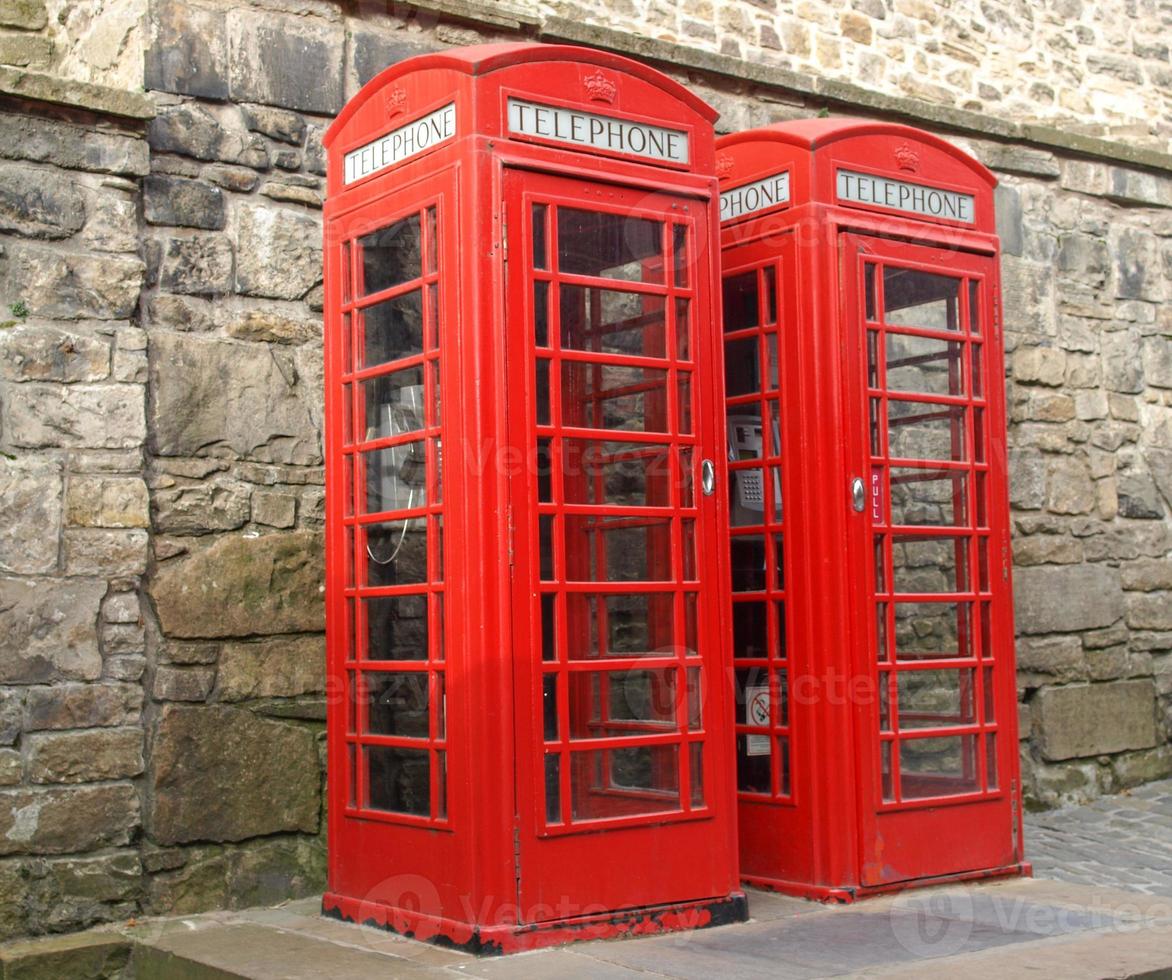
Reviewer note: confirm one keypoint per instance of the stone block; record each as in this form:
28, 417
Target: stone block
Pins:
202, 508
72, 286
86, 956
82, 706
315, 154
97, 551
1066, 599
1046, 549
67, 820
1081, 720
1123, 369
119, 639
271, 326
1010, 228
229, 399
241, 586
221, 773
1060, 657
1012, 158
1147, 575
39, 203
74, 416
179, 201
1028, 291
25, 15
42, 140
11, 714
1069, 488
85, 757
192, 131
30, 515
107, 501
1039, 365
48, 630
40, 353
1149, 610
372, 51
199, 266
189, 50
1157, 361
11, 767
279, 253
274, 509
1134, 187
277, 124
282, 667
1138, 272
183, 683
1138, 497
291, 62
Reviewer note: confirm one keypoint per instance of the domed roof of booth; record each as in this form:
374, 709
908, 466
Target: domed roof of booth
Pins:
482, 59
816, 134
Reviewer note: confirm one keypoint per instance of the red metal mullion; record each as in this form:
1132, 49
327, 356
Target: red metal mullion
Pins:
581, 745
365, 301
614, 285
391, 367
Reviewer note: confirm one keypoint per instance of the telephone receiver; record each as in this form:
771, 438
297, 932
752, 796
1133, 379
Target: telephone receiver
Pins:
744, 442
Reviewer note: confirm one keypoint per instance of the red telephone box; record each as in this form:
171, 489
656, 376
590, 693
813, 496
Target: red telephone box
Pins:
876, 731
527, 581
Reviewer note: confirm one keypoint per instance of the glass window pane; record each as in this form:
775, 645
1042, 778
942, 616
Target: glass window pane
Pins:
935, 698
617, 550
750, 630
769, 286
742, 373
924, 365
548, 626
541, 313
783, 766
744, 432
613, 322
624, 474
739, 294
748, 496
432, 241
933, 630
396, 477
752, 696
753, 766
399, 780
869, 290
397, 704
541, 390
619, 703
393, 404
540, 251
914, 298
549, 705
683, 330
625, 625
553, 789
396, 627
396, 552
615, 246
929, 564
944, 766
607, 783
929, 497
920, 430
697, 774
392, 329
612, 396
748, 563
391, 256
680, 254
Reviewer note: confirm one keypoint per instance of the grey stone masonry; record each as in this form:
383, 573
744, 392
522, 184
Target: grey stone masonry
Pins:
162, 688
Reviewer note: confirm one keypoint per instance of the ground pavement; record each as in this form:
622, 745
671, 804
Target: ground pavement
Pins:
1100, 906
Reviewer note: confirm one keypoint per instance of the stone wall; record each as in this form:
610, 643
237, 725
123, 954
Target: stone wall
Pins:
161, 500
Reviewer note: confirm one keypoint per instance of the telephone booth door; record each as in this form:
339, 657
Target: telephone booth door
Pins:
617, 581
932, 544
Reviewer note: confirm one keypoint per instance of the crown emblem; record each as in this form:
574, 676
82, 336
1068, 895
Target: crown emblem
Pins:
396, 101
724, 166
906, 158
600, 88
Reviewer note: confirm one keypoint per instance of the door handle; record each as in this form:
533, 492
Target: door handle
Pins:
708, 477
858, 495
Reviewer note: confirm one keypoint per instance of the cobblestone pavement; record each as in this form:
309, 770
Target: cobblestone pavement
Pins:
1124, 841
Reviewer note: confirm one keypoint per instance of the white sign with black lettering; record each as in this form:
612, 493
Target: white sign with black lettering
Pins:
757, 196
757, 713
588, 129
899, 195
401, 144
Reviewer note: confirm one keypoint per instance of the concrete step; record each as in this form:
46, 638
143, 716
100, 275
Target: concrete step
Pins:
1011, 929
